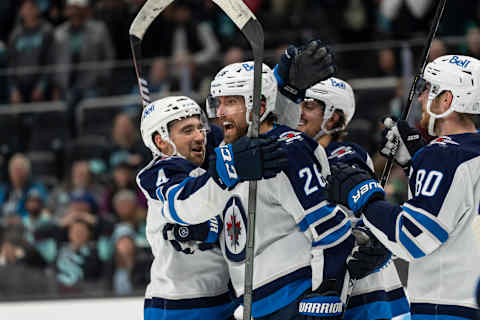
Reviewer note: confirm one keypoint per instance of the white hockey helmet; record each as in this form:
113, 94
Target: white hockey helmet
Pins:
337, 95
157, 116
236, 79
461, 76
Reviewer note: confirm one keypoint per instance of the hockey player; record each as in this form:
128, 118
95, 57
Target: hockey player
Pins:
186, 283
296, 229
433, 229
328, 108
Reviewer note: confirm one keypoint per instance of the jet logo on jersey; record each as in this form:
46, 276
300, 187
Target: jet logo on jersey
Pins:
290, 136
341, 152
235, 229
444, 141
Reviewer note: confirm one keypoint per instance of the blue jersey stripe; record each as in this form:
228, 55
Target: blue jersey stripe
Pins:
220, 312
280, 298
429, 224
430, 310
331, 223
171, 200
314, 216
334, 236
378, 310
193, 303
412, 248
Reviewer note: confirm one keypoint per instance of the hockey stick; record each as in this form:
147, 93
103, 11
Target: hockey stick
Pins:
147, 14
253, 31
426, 52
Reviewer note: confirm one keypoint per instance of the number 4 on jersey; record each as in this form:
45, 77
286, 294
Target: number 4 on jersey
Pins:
161, 178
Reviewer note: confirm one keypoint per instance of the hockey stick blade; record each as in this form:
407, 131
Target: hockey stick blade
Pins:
245, 20
147, 14
411, 94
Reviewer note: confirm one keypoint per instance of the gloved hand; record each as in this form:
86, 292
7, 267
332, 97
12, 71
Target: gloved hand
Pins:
301, 68
368, 255
248, 159
352, 187
186, 239
324, 303
401, 141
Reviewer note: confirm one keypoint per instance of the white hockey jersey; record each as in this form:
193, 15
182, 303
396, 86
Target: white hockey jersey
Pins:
379, 295
293, 221
182, 286
433, 230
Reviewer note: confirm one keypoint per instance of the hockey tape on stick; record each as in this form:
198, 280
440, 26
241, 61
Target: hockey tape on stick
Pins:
147, 14
426, 51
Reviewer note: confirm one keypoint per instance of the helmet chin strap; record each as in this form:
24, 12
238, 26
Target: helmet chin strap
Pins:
434, 116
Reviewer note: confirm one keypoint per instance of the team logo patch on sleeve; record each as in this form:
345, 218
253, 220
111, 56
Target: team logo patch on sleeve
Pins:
341, 152
291, 136
235, 229
444, 141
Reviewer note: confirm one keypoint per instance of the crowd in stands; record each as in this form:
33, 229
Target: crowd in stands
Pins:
84, 233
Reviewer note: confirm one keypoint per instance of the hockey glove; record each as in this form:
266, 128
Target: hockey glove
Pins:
401, 141
323, 303
186, 239
352, 187
301, 68
248, 159
368, 256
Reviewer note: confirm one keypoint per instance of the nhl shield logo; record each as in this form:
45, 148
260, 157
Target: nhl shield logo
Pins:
235, 229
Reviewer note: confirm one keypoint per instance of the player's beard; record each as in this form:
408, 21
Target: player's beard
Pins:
234, 133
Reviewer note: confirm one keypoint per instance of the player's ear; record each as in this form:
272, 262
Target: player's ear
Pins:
446, 100
161, 144
332, 122
263, 106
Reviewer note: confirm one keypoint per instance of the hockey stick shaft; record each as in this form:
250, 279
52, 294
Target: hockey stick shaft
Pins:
411, 94
147, 14
253, 32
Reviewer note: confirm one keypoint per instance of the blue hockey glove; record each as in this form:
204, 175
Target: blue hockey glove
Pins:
248, 159
368, 255
186, 239
352, 187
301, 68
323, 303
401, 141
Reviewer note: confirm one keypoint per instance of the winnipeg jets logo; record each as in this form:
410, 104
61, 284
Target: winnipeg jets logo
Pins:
444, 141
341, 152
290, 136
234, 229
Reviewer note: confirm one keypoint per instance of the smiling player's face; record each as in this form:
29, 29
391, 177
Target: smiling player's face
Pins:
188, 135
231, 116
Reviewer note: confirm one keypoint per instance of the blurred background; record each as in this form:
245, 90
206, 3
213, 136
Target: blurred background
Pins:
72, 221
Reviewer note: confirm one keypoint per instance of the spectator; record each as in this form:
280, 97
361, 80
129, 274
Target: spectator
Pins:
233, 55
437, 49
78, 264
113, 13
14, 249
81, 40
387, 63
473, 42
37, 223
13, 194
81, 180
132, 255
123, 177
30, 46
126, 144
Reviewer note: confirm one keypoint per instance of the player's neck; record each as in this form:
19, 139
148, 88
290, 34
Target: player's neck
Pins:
445, 127
265, 127
324, 140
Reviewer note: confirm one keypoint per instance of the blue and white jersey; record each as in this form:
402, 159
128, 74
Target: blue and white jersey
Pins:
293, 222
379, 295
433, 230
181, 282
